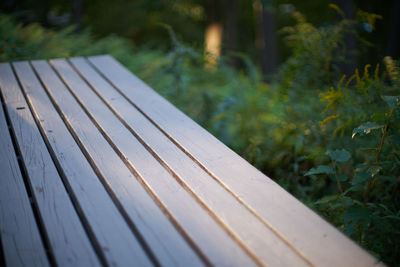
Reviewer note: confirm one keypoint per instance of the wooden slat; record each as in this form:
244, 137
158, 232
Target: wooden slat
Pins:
180, 206
165, 241
55, 208
257, 239
20, 237
116, 242
304, 230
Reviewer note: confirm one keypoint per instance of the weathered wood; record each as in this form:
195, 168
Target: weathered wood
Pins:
243, 226
55, 207
120, 177
20, 237
165, 241
293, 222
114, 240
180, 206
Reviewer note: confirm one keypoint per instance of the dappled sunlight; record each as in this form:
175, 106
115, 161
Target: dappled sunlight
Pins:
213, 38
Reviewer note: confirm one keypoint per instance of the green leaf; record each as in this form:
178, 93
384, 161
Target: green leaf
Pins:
342, 202
355, 188
342, 177
339, 155
392, 101
356, 213
354, 217
366, 128
379, 116
326, 199
320, 170
374, 170
361, 177
339, 177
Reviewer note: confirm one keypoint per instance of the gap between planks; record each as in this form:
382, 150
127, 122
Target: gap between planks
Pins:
282, 208
178, 179
91, 214
21, 239
94, 121
71, 114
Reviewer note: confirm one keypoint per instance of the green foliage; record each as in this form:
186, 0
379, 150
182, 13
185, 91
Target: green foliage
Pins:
366, 128
366, 205
320, 170
341, 155
316, 52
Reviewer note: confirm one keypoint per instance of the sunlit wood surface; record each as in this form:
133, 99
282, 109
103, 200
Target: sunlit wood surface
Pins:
97, 169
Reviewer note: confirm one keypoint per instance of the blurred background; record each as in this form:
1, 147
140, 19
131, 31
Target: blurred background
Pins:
246, 26
307, 91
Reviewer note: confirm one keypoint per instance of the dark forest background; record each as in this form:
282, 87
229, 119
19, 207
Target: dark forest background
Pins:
249, 26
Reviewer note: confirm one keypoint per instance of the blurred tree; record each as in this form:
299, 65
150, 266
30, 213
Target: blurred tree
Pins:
77, 14
349, 39
230, 26
393, 40
139, 20
266, 36
213, 31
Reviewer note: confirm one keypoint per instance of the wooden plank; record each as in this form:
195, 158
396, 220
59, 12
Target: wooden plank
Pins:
193, 221
262, 244
55, 207
300, 227
20, 237
165, 241
115, 241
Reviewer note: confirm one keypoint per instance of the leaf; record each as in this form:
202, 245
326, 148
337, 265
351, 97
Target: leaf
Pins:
354, 217
326, 199
342, 177
366, 128
320, 170
339, 155
379, 116
361, 177
355, 188
392, 101
374, 170
339, 177
356, 213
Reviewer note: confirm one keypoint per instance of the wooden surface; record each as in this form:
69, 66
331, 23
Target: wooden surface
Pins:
114, 175
20, 238
56, 209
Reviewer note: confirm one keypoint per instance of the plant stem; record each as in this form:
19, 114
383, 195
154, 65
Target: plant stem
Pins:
382, 142
339, 185
378, 154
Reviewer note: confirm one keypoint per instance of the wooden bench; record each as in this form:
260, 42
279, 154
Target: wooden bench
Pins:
98, 169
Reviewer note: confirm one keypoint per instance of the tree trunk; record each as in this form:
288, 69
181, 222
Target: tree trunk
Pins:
213, 32
230, 38
350, 42
77, 14
266, 38
393, 39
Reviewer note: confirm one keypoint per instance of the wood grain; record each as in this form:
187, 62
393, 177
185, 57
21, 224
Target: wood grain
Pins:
20, 237
164, 240
55, 207
113, 238
178, 204
251, 234
298, 226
